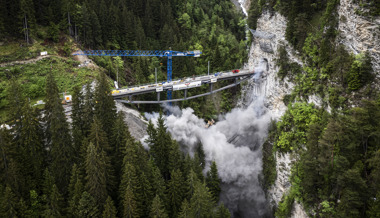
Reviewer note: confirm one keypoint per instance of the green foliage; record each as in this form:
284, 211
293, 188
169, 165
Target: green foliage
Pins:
109, 209
360, 72
294, 125
269, 157
287, 68
213, 181
157, 210
286, 204
53, 32
87, 206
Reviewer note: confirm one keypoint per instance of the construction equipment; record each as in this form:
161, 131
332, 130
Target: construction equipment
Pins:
140, 53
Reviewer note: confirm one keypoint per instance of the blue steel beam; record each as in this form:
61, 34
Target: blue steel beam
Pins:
147, 53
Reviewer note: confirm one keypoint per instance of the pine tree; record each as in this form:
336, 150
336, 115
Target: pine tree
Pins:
77, 116
35, 204
48, 183
175, 192
96, 175
160, 147
8, 204
129, 204
157, 209
158, 183
223, 212
75, 191
119, 139
109, 209
213, 181
185, 210
105, 109
201, 203
32, 146
16, 102
88, 111
129, 180
88, 206
58, 136
54, 205
191, 182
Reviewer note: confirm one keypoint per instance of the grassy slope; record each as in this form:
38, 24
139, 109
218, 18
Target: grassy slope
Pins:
32, 76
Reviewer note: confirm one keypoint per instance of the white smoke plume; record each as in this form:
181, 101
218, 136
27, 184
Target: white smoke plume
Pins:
234, 144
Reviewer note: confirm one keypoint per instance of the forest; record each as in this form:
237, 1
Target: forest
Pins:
87, 164
214, 27
92, 167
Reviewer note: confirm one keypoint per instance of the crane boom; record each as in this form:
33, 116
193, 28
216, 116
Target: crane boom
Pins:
147, 53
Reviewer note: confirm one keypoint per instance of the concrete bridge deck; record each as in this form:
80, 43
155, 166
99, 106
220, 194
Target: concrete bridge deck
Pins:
183, 84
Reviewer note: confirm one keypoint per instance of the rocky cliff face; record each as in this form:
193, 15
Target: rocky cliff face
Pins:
274, 90
359, 33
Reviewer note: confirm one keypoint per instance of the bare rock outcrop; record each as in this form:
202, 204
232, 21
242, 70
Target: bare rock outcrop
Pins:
359, 33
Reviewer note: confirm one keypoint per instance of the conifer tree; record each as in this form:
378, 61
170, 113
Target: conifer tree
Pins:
77, 116
75, 191
223, 212
109, 209
201, 203
191, 182
88, 206
157, 209
16, 103
160, 147
96, 175
213, 181
88, 110
175, 192
129, 204
54, 205
185, 210
158, 183
129, 179
48, 183
119, 139
105, 109
58, 136
9, 203
35, 204
32, 146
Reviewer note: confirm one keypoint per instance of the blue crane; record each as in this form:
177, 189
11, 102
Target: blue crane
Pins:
149, 53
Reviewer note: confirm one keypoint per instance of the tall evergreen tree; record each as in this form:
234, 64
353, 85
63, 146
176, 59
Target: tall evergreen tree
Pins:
213, 181
96, 175
54, 206
77, 116
157, 209
105, 109
75, 191
109, 209
8, 203
175, 192
88, 206
129, 204
58, 136
201, 203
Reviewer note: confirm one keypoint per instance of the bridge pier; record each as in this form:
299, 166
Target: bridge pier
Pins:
185, 94
158, 96
130, 98
210, 87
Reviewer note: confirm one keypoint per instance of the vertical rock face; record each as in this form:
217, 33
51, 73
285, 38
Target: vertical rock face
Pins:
272, 88
274, 91
358, 33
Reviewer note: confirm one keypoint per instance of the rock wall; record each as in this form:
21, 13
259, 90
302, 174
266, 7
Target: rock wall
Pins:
359, 33
274, 91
